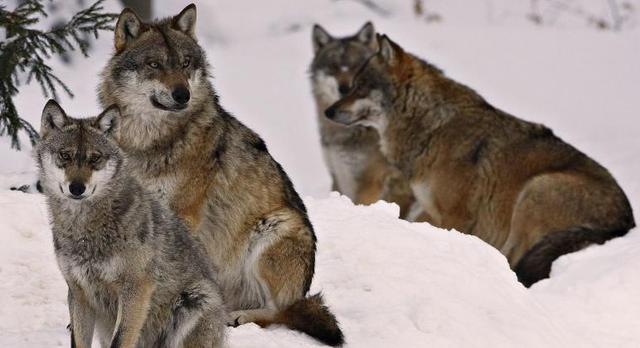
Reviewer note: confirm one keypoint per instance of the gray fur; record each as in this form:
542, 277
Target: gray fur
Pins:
352, 154
120, 240
346, 150
214, 172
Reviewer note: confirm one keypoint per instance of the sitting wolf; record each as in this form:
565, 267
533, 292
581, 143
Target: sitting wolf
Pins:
480, 170
133, 270
357, 167
215, 173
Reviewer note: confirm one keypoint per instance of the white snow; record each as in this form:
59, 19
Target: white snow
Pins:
391, 283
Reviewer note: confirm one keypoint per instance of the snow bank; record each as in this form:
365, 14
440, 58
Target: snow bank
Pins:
391, 283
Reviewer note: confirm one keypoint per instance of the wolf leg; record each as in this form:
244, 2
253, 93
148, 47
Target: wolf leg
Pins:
198, 315
559, 213
133, 307
208, 330
283, 267
82, 318
536, 264
261, 315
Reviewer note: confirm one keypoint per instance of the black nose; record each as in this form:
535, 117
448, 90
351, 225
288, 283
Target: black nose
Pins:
343, 89
76, 188
181, 95
330, 112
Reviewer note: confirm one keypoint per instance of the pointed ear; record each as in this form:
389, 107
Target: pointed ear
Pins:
128, 28
185, 21
367, 35
389, 50
53, 117
107, 122
320, 37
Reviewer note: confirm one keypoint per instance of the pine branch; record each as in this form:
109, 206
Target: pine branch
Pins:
27, 50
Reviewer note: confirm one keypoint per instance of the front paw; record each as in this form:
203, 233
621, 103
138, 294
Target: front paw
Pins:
237, 318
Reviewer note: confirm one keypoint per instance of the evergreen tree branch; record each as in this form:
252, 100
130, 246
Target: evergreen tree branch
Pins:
26, 51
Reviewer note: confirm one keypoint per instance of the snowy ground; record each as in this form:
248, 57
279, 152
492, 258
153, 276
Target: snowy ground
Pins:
390, 283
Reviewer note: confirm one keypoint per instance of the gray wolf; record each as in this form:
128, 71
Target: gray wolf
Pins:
352, 154
480, 170
215, 173
134, 272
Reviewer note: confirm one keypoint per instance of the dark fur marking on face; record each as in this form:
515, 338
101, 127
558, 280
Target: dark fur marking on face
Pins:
173, 53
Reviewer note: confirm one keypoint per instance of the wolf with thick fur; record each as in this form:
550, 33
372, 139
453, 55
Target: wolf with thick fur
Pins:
134, 272
216, 173
480, 170
357, 167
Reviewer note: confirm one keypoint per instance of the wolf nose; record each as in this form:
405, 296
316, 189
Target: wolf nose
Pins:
76, 188
330, 112
343, 89
181, 95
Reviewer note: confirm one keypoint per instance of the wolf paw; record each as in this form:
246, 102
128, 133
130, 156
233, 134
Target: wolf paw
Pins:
237, 318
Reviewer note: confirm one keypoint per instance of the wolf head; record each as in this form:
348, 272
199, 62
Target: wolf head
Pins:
78, 158
158, 68
370, 100
337, 60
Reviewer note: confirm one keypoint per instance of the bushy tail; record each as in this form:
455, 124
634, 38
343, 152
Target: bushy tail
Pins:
536, 263
311, 316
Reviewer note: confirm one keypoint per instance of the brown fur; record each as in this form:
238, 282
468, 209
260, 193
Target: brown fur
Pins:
352, 154
216, 173
482, 171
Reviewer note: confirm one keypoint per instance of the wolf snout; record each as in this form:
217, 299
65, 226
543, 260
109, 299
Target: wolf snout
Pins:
337, 114
77, 189
181, 95
330, 112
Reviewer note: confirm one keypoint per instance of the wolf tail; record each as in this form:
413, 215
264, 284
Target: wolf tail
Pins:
311, 316
536, 263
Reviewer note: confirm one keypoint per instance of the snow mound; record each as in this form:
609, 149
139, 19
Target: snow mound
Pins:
389, 282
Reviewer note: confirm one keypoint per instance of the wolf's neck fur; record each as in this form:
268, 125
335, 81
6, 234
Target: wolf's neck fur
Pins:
425, 100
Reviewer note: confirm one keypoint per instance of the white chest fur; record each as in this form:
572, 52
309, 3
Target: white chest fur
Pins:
346, 168
424, 195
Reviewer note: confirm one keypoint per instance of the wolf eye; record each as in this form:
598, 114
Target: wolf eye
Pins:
64, 155
94, 158
154, 65
187, 62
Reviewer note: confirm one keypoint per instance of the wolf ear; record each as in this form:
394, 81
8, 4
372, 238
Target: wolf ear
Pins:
320, 37
367, 35
389, 50
185, 21
53, 117
128, 28
107, 122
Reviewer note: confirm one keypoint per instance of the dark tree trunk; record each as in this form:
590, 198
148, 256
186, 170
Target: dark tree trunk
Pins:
143, 8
